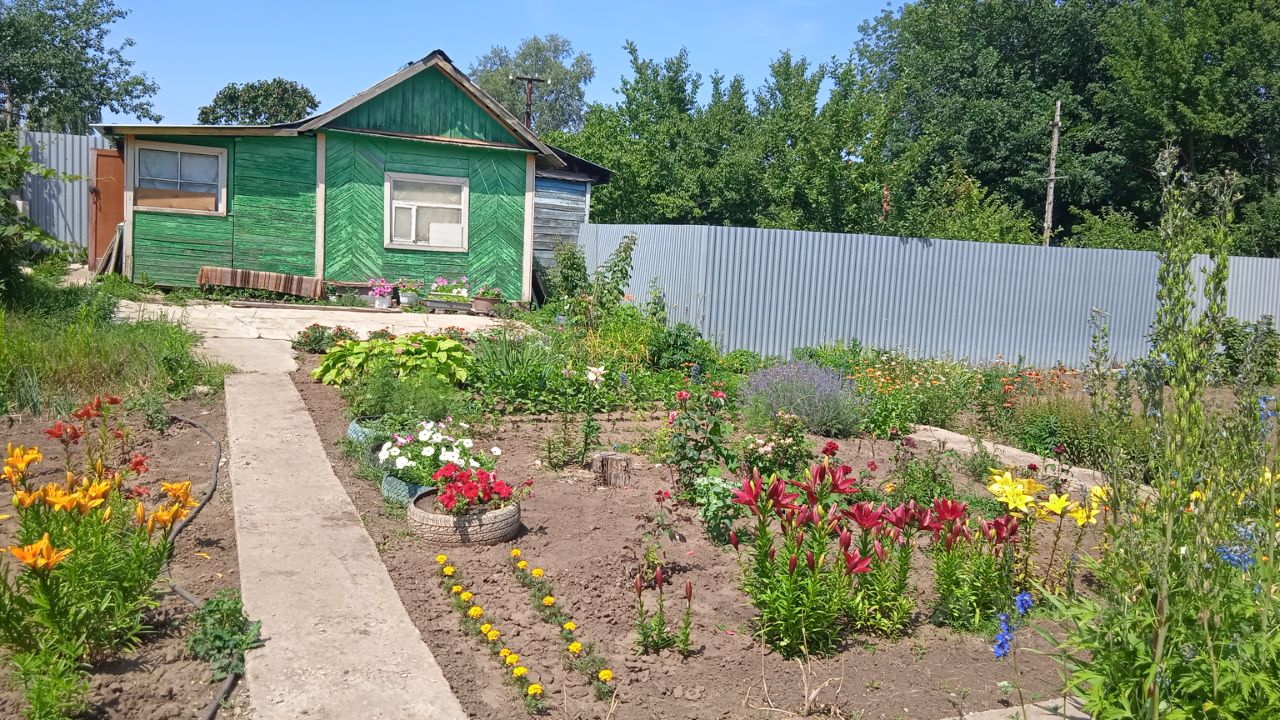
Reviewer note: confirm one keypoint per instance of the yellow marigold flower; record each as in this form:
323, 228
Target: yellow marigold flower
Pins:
466, 596
504, 652
39, 555
605, 675
493, 635
519, 671
515, 552
442, 559
534, 690
475, 612
570, 626
522, 564
448, 570
456, 589
512, 659
575, 647
536, 572
548, 601
485, 628
889, 487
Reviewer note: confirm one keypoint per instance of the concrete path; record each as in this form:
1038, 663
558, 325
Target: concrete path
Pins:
1011, 457
283, 322
340, 644
1048, 710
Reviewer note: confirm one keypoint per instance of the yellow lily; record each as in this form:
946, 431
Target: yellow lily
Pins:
1057, 504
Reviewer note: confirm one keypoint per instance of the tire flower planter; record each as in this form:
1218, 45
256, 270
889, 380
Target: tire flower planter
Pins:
485, 528
400, 492
358, 431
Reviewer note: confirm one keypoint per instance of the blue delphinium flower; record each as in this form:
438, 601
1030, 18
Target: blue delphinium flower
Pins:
1004, 638
1022, 602
1239, 557
623, 378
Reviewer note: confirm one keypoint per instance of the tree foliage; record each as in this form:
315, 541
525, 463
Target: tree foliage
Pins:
557, 104
262, 102
57, 70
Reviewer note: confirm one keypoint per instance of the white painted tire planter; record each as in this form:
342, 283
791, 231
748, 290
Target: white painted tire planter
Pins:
486, 528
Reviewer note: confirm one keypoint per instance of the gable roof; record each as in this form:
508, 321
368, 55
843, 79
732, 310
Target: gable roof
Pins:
435, 59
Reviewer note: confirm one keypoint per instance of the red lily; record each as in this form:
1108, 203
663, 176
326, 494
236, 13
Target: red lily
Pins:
830, 449
139, 463
958, 531
855, 563
865, 515
948, 510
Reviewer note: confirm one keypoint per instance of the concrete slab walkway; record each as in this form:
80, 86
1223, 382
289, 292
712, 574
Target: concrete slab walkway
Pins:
1011, 457
284, 321
341, 645
1048, 710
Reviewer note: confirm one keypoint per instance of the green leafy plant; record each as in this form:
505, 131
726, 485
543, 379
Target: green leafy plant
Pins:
699, 434
713, 496
223, 633
785, 450
317, 338
407, 354
652, 633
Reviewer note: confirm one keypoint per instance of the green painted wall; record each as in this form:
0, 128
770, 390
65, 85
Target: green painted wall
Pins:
270, 221
354, 211
426, 104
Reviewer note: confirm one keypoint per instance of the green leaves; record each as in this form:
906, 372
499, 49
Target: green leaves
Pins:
223, 633
408, 354
262, 102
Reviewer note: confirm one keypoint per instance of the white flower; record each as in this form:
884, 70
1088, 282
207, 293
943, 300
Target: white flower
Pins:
395, 452
428, 451
495, 451
463, 425
401, 462
467, 443
595, 374
428, 425
475, 464
424, 436
436, 437
386, 446
383, 455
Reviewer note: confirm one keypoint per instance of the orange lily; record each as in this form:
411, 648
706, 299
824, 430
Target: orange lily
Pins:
24, 499
39, 555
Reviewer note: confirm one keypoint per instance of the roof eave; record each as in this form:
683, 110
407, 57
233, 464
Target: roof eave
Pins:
109, 129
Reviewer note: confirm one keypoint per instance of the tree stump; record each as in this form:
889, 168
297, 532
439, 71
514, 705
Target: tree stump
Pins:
611, 469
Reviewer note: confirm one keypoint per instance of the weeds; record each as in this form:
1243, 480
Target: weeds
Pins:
223, 634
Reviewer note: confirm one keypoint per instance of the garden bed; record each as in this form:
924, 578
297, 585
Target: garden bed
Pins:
587, 539
160, 680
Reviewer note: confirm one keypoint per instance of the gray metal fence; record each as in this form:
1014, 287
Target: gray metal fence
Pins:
61, 208
774, 290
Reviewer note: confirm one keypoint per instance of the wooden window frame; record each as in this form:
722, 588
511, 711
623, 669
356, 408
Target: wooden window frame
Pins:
387, 224
219, 152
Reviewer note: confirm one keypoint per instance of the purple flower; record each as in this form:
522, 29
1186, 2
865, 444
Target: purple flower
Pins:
829, 405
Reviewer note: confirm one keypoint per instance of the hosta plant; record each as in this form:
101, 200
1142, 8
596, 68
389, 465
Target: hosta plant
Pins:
404, 355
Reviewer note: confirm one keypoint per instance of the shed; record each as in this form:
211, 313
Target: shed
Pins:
421, 175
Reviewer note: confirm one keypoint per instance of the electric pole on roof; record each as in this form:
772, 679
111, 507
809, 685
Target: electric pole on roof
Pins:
528, 81
1053, 168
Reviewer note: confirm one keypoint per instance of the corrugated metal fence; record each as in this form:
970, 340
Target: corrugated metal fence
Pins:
61, 208
773, 290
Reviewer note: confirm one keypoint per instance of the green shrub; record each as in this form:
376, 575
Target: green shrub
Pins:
713, 496
1060, 423
317, 338
842, 355
223, 633
680, 346
419, 396
1236, 341
783, 450
742, 362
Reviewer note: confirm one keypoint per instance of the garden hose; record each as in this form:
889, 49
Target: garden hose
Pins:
211, 710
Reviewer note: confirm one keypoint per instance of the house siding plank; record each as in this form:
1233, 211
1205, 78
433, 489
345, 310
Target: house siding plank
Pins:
426, 104
559, 210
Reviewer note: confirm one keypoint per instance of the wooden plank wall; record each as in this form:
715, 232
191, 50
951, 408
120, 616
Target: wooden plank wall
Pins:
560, 208
426, 104
270, 220
354, 211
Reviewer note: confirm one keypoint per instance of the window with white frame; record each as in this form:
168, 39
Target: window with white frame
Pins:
180, 178
426, 212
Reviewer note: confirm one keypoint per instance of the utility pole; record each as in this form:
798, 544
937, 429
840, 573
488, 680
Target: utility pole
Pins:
528, 81
1053, 167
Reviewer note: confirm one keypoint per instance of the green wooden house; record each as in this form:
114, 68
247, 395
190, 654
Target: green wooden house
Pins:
422, 175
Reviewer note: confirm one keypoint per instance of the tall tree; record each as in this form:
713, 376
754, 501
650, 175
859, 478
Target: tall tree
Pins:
262, 102
557, 104
57, 71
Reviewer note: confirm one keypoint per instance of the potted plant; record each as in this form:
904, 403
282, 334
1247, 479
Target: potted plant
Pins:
412, 459
469, 506
380, 290
409, 290
486, 298
447, 294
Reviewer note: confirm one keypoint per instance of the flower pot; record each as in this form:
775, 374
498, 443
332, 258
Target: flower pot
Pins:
484, 304
358, 430
382, 302
408, 298
400, 492
484, 528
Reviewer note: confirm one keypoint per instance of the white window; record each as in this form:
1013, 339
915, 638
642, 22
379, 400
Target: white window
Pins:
180, 178
426, 212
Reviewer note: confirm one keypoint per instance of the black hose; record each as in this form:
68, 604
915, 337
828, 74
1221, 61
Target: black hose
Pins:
211, 710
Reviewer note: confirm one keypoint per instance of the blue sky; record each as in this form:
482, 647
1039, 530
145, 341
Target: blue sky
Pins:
339, 48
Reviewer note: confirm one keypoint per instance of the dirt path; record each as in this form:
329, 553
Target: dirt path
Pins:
340, 643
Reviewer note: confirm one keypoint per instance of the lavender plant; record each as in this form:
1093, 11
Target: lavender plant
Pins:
828, 404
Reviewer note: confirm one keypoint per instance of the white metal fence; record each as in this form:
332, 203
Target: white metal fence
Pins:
774, 290
61, 208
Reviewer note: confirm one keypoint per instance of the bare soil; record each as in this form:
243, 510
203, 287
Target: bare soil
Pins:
159, 680
586, 538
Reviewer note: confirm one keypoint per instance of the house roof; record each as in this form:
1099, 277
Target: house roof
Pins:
575, 168
435, 59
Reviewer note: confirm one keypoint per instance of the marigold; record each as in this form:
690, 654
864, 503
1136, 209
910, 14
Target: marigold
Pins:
575, 647
456, 589
537, 572
519, 671
605, 675
571, 626
504, 652
485, 628
466, 596
40, 555
475, 612
522, 564
448, 570
493, 635
548, 601
512, 659
442, 559
534, 690
515, 552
